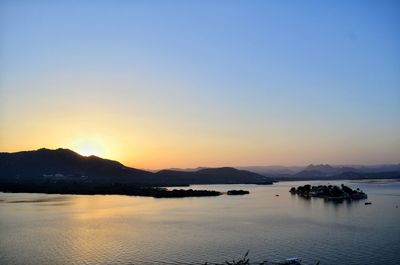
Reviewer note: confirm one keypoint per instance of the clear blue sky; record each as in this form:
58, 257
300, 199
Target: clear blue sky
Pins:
187, 83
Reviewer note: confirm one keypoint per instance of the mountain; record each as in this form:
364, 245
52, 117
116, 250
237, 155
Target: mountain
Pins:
63, 170
222, 175
380, 168
63, 166
323, 168
323, 171
328, 172
273, 170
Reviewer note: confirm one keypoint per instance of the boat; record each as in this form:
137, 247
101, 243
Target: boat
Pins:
368, 203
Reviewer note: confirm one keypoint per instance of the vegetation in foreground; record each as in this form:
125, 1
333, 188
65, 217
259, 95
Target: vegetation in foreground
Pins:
245, 260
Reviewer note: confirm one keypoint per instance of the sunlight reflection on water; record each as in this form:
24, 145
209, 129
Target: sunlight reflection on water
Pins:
76, 229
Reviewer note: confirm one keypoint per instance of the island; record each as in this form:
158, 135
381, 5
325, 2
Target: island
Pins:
238, 192
180, 193
329, 192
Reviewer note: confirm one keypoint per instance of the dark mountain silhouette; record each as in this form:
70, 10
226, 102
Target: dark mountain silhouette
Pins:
323, 171
317, 171
322, 168
380, 168
65, 166
64, 171
328, 172
273, 170
223, 175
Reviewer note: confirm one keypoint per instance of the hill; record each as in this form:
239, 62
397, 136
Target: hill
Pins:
223, 175
67, 168
64, 165
328, 172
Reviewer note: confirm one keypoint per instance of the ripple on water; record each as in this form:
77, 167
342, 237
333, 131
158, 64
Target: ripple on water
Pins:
48, 229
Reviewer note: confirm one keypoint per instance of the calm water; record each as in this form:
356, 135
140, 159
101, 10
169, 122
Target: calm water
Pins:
71, 229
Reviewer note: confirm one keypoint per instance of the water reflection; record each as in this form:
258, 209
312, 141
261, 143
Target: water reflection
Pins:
125, 230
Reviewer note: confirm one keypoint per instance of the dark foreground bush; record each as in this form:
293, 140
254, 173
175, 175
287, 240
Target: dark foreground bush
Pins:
246, 261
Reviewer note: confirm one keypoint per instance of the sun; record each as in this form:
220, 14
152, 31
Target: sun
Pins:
89, 148
88, 151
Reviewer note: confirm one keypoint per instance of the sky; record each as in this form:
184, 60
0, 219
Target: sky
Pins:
159, 84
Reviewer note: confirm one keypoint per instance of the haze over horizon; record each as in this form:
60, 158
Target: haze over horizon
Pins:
157, 84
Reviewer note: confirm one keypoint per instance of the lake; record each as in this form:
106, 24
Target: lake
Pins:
113, 229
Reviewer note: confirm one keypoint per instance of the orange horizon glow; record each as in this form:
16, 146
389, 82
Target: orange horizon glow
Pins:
175, 85
181, 159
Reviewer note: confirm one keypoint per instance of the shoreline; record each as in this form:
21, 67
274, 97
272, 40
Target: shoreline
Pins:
154, 192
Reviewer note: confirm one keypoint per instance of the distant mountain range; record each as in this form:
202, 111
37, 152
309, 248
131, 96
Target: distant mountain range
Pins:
65, 171
319, 171
325, 171
45, 166
223, 175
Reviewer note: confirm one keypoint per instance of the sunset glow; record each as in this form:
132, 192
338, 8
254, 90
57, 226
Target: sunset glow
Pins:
94, 145
174, 90
199, 132
89, 150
